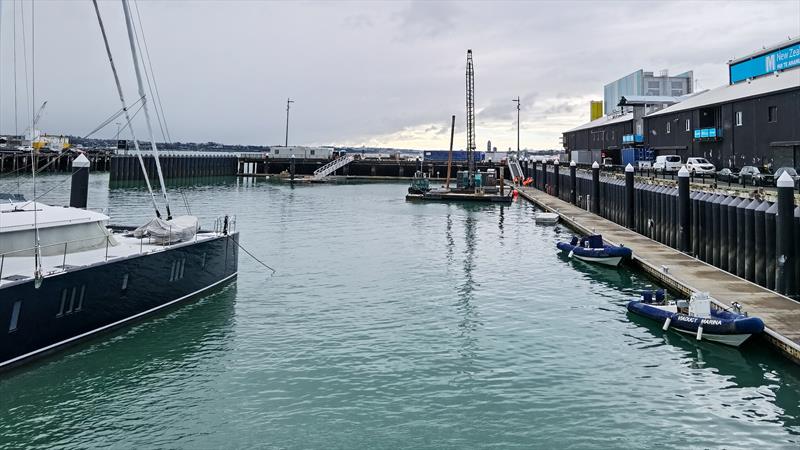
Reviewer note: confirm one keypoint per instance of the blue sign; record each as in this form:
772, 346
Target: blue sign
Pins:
697, 134
761, 65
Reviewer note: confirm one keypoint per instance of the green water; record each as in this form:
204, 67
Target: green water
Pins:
395, 325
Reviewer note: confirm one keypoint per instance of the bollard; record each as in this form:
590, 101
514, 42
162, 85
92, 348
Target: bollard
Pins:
556, 179
596, 188
684, 211
785, 234
79, 190
573, 193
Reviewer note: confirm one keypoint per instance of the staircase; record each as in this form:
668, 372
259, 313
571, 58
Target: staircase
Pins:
332, 166
515, 169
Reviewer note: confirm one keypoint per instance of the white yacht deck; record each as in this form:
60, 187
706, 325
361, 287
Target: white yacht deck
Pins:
15, 269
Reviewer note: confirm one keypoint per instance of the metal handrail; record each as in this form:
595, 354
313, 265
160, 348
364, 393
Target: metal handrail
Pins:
334, 165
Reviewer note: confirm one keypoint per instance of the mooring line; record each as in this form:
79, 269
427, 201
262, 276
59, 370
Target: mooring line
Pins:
253, 256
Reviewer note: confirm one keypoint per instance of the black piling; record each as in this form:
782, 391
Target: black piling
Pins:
556, 179
684, 212
596, 188
573, 181
785, 236
629, 202
760, 243
770, 216
750, 240
79, 190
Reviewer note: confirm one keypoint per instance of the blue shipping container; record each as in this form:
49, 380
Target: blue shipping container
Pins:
628, 156
441, 155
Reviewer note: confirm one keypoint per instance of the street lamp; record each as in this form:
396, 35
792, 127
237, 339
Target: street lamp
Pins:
289, 101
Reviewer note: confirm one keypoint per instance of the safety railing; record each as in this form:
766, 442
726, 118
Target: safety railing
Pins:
333, 166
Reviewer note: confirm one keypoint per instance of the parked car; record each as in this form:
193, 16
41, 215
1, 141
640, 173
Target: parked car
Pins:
754, 176
728, 175
699, 166
792, 173
667, 163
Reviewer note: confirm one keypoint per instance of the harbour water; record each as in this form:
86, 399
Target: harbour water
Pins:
391, 324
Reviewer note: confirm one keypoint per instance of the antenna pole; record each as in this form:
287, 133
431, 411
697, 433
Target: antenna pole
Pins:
125, 108
143, 96
289, 101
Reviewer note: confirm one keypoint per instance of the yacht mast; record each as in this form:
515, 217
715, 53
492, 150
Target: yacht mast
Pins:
125, 108
143, 96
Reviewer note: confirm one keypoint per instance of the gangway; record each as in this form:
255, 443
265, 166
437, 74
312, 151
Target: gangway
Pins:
332, 166
515, 169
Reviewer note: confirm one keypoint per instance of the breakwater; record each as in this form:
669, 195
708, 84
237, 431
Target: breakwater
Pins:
124, 168
734, 231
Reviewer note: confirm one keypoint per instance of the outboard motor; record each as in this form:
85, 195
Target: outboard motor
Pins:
660, 296
647, 296
574, 241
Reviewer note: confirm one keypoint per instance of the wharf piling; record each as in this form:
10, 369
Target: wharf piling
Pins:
126, 168
51, 162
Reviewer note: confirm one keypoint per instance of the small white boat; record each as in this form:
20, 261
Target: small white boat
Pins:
546, 218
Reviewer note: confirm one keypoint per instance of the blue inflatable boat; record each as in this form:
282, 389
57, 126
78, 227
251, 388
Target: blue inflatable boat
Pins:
697, 317
592, 249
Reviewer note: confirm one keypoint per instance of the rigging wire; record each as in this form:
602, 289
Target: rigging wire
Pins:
152, 73
149, 74
53, 161
124, 107
154, 149
25, 62
14, 63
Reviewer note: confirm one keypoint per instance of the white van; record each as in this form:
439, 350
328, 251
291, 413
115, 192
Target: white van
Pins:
667, 163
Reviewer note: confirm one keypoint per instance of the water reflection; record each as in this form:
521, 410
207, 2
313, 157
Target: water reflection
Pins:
750, 366
466, 290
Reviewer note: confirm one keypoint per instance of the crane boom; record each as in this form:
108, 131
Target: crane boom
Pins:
39, 114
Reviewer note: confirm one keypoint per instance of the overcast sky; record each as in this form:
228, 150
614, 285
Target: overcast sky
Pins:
370, 73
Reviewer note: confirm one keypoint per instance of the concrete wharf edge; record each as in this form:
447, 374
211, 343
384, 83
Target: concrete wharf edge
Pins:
686, 274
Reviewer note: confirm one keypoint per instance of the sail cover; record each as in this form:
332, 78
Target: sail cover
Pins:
160, 231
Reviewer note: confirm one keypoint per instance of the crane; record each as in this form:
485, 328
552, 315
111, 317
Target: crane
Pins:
36, 118
470, 117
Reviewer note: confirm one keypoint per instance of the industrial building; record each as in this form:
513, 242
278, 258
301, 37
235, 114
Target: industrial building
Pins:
641, 83
752, 120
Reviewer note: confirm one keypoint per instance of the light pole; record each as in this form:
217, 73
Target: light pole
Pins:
518, 107
289, 101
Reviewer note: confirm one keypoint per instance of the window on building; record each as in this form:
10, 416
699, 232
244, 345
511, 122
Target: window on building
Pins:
738, 118
688, 124
668, 126
312, 152
772, 114
12, 326
277, 152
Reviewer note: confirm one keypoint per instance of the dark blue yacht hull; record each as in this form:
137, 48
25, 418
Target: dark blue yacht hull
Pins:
87, 301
